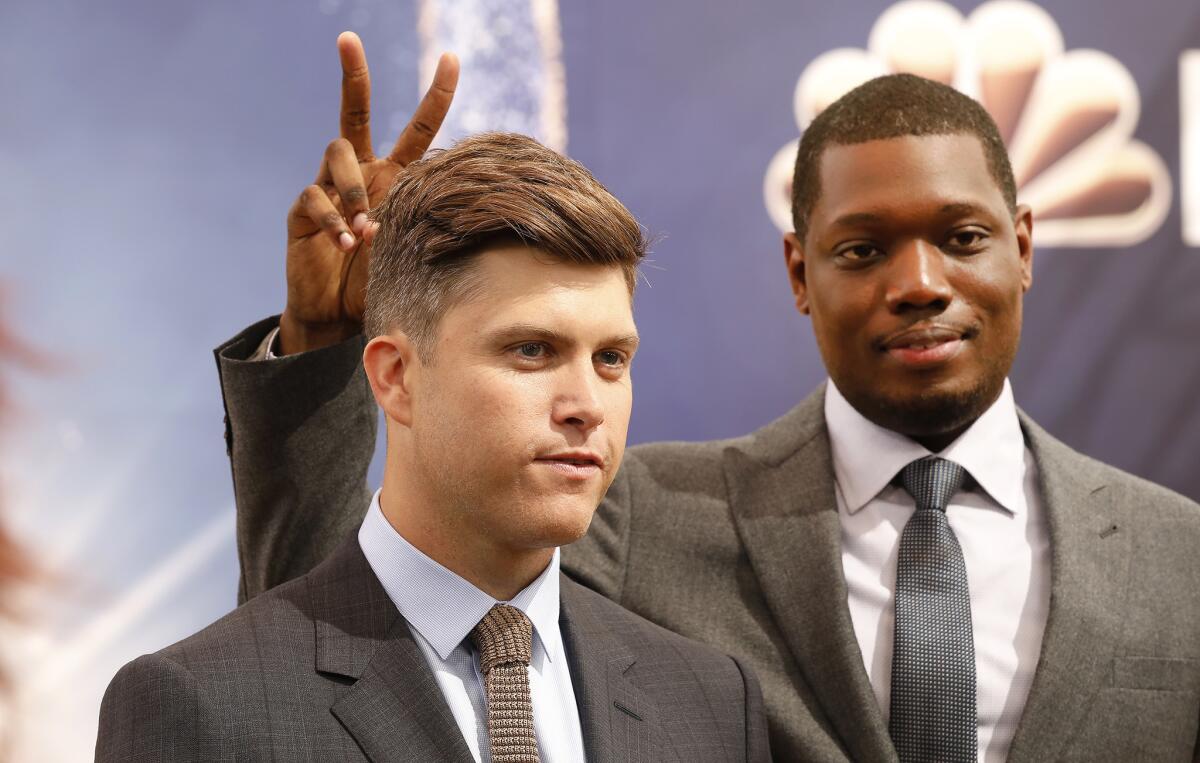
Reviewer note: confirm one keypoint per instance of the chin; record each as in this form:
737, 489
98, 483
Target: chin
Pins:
927, 410
557, 523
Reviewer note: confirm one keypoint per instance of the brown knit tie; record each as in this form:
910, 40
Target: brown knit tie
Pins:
504, 638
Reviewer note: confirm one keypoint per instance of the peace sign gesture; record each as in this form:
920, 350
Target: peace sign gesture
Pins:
327, 260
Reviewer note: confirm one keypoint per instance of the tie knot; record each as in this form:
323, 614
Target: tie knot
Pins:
932, 481
503, 637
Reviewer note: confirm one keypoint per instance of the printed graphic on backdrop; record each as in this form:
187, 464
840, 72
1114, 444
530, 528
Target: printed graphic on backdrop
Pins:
1067, 116
511, 54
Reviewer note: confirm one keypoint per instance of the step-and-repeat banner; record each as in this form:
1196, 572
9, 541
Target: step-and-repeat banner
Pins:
150, 151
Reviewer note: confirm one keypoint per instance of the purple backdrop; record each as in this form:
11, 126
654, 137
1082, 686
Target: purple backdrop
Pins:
150, 151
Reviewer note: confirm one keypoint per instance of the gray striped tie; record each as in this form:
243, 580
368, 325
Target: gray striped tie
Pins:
933, 715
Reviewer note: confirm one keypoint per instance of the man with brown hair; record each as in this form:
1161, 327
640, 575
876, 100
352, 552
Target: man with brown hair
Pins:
501, 335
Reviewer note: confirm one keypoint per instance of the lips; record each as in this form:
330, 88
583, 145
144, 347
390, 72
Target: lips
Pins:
578, 464
926, 345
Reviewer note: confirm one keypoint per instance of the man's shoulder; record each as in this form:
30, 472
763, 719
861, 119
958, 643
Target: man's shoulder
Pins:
770, 444
273, 631
650, 643
1059, 460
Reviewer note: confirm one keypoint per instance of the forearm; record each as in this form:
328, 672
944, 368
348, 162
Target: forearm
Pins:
300, 432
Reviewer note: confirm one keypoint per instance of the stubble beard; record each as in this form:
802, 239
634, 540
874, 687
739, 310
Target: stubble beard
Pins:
932, 412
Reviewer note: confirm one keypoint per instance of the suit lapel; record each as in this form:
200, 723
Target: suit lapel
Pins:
782, 495
619, 722
395, 709
1090, 557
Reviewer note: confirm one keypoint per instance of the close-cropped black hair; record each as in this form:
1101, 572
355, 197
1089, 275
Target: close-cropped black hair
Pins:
894, 106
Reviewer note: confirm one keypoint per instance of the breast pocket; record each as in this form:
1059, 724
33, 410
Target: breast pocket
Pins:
1156, 673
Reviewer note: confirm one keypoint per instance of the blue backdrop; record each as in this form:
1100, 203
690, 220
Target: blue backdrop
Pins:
150, 150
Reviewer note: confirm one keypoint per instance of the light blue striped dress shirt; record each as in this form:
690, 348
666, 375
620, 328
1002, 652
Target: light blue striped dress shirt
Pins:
441, 608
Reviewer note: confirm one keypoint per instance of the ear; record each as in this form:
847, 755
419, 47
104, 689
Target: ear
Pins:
392, 368
1023, 223
793, 255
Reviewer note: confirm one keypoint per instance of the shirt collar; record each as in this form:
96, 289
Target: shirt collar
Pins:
867, 456
439, 604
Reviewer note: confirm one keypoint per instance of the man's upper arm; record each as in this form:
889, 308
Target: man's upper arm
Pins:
300, 432
152, 711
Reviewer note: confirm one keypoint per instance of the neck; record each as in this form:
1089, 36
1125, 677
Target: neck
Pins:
936, 443
464, 548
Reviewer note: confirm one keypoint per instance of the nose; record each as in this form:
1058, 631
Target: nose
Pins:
917, 279
577, 401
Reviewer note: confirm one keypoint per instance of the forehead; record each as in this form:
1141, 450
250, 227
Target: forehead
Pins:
904, 176
514, 283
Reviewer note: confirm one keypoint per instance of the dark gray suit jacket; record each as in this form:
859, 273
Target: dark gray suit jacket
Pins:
736, 543
324, 668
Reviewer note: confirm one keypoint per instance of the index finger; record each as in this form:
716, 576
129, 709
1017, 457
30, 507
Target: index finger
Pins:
430, 113
356, 95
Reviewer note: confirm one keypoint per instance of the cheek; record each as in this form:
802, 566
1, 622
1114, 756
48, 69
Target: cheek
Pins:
996, 294
841, 314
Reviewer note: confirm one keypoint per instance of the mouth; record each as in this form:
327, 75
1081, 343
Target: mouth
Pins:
926, 346
574, 464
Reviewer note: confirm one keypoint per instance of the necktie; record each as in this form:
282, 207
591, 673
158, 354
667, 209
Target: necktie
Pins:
933, 714
504, 638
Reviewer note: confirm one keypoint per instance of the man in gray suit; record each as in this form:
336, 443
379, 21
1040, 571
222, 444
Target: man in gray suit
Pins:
501, 290
913, 567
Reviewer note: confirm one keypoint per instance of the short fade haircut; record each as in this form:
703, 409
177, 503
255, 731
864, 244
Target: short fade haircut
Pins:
894, 106
491, 189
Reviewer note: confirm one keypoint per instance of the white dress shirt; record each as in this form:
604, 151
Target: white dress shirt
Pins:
1005, 541
441, 608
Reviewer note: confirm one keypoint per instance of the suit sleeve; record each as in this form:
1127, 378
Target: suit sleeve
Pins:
153, 711
300, 433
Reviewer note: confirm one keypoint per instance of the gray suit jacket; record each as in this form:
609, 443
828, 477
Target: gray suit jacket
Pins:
736, 543
324, 668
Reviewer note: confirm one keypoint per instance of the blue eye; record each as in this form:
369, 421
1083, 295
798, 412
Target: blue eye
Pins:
531, 350
611, 358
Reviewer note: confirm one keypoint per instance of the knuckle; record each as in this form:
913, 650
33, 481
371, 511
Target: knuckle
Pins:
356, 117
356, 195
310, 195
335, 147
331, 220
423, 127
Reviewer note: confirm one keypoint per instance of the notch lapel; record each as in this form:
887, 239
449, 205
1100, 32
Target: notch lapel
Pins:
619, 722
395, 710
781, 490
1089, 569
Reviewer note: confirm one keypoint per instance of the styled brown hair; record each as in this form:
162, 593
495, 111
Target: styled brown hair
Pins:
895, 106
488, 190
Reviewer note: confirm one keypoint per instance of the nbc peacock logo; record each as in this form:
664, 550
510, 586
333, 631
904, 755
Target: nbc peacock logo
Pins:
1067, 116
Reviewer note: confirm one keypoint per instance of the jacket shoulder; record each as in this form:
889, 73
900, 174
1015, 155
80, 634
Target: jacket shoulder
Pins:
275, 624
1123, 488
652, 643
693, 463
154, 709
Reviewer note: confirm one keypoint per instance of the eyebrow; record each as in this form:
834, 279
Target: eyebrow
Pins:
962, 209
955, 209
856, 218
517, 331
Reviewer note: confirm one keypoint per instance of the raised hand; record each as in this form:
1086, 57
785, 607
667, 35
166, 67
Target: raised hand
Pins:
327, 257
